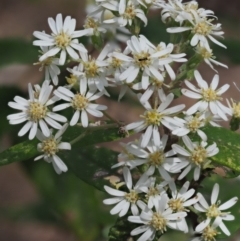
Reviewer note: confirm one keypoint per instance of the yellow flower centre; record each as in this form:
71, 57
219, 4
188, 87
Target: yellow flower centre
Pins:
209, 95
116, 63
191, 6
213, 211
91, 68
203, 28
156, 158
158, 222
72, 80
129, 12
194, 124
236, 109
206, 54
63, 40
209, 234
50, 146
153, 117
157, 83
132, 196
129, 155
142, 59
79, 102
37, 111
199, 155
176, 205
152, 192
91, 23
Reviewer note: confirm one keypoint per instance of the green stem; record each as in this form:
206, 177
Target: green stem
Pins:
111, 118
78, 138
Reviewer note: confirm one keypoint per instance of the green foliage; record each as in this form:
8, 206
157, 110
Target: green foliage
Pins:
91, 164
70, 202
17, 51
28, 149
6, 95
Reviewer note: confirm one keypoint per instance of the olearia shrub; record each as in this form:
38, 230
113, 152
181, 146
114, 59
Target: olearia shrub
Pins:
160, 173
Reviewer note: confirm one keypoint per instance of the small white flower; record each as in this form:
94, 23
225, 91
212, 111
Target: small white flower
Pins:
153, 192
63, 39
168, 58
123, 199
93, 71
208, 57
180, 201
50, 65
202, 29
128, 12
190, 124
94, 26
153, 118
234, 108
35, 111
143, 61
50, 146
210, 232
208, 96
80, 102
155, 158
155, 221
215, 210
74, 79
196, 155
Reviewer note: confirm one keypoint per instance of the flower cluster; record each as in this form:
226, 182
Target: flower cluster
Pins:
158, 191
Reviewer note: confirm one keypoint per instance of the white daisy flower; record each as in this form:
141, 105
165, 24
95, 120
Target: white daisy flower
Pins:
81, 103
128, 11
155, 221
208, 57
180, 201
215, 210
74, 79
196, 156
234, 108
125, 200
35, 112
50, 146
153, 192
93, 71
94, 26
208, 96
143, 61
126, 158
50, 65
168, 58
154, 157
210, 232
211, 119
63, 39
190, 124
202, 29
153, 118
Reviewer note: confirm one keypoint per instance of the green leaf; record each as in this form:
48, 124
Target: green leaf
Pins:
228, 143
68, 202
28, 149
17, 51
91, 164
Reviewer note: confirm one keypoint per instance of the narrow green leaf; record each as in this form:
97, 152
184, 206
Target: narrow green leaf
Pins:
91, 164
28, 149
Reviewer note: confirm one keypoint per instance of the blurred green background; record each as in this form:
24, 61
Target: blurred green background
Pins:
35, 203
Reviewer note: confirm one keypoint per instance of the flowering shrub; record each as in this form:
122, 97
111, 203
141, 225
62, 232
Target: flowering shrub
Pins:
161, 172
